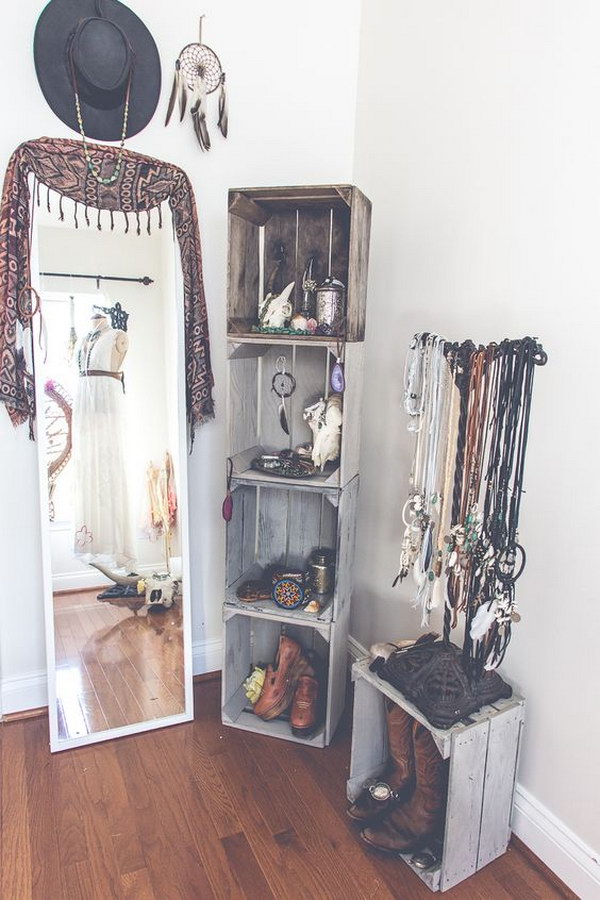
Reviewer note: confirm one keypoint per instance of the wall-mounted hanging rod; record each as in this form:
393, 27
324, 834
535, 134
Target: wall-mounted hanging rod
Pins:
145, 280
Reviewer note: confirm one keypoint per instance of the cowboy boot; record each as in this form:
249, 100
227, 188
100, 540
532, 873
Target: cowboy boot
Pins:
281, 679
398, 780
304, 714
407, 828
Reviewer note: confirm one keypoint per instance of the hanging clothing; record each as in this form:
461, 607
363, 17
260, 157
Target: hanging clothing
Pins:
161, 512
102, 510
143, 185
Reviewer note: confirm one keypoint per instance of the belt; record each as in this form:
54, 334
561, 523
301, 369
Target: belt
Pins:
120, 376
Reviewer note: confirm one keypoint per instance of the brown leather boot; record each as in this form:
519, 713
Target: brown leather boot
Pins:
281, 679
399, 777
407, 828
304, 716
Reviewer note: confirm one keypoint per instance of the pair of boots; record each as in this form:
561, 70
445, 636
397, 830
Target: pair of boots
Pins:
402, 815
290, 681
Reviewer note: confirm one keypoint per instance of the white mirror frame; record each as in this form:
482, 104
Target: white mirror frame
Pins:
57, 744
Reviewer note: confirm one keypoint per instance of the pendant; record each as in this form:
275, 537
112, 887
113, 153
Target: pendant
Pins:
338, 382
227, 508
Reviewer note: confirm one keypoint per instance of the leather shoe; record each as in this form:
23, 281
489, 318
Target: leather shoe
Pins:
304, 717
281, 679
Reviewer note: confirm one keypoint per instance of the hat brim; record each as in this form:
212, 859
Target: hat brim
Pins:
55, 24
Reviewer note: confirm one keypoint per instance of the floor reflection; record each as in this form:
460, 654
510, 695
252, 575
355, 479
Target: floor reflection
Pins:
114, 667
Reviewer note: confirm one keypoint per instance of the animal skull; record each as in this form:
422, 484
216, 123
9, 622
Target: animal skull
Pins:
325, 421
160, 591
276, 310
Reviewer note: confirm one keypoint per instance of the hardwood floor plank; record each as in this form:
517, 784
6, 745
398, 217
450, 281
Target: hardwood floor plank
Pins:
15, 862
166, 821
245, 867
121, 817
137, 886
222, 809
43, 831
101, 855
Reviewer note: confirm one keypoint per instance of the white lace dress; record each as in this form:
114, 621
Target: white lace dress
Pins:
102, 511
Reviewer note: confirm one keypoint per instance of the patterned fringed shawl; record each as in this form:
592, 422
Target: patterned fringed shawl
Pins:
144, 183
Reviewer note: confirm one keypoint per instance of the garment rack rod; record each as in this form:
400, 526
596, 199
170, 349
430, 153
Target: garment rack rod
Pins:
145, 280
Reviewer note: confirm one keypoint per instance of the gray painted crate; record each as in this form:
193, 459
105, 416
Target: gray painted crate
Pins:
483, 752
251, 638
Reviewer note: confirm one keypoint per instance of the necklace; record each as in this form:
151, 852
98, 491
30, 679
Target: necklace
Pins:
94, 170
87, 345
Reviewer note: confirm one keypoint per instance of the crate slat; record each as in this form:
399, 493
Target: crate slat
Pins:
503, 745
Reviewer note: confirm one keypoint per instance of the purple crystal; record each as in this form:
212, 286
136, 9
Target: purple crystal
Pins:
338, 382
227, 508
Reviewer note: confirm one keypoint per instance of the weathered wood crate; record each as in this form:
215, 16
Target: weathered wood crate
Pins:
253, 406
281, 524
252, 637
483, 751
300, 218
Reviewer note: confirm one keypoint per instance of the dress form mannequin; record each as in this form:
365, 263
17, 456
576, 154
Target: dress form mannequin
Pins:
100, 323
103, 527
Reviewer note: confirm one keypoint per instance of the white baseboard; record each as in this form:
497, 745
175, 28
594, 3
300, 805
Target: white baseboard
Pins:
207, 656
556, 845
356, 650
30, 691
23, 692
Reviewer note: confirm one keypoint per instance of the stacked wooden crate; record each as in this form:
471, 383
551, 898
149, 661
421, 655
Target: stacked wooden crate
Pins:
483, 752
279, 521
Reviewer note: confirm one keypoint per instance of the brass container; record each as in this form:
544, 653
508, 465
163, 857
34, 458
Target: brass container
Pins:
322, 571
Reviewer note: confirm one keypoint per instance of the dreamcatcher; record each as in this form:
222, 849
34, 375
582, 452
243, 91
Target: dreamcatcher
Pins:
198, 72
57, 417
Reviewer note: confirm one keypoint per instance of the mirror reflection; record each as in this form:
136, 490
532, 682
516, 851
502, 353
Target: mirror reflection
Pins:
114, 446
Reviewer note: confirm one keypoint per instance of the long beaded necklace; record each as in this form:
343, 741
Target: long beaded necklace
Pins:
94, 170
87, 346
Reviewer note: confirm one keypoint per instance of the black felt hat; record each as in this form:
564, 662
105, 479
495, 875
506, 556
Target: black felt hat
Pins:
106, 49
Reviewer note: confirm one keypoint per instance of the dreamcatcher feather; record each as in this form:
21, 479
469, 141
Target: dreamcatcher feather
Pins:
198, 73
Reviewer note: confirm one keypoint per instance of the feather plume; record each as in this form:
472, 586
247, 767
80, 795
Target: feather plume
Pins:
483, 620
283, 418
223, 123
198, 111
174, 92
182, 96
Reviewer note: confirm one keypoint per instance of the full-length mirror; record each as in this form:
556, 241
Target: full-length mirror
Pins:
112, 441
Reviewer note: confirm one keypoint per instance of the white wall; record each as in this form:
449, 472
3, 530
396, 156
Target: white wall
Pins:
478, 141
292, 81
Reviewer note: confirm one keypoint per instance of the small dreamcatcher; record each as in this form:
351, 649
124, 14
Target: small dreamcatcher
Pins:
284, 385
198, 72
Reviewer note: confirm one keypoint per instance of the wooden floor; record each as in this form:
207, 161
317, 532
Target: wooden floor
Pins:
113, 667
199, 811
